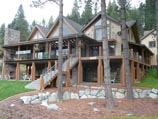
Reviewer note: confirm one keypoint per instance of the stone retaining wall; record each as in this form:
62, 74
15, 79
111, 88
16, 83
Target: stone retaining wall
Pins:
89, 93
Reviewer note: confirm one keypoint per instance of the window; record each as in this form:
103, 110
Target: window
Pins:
65, 32
111, 49
98, 23
152, 44
98, 34
37, 36
94, 51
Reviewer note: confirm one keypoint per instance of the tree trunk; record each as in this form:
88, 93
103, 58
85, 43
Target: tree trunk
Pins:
126, 51
60, 57
107, 75
157, 33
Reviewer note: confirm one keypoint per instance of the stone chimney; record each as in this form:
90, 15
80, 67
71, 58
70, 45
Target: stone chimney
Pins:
11, 36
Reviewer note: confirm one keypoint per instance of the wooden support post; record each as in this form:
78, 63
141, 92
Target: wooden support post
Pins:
132, 71
17, 71
33, 71
80, 72
4, 70
50, 49
138, 72
68, 47
18, 53
33, 53
41, 88
68, 75
49, 66
100, 68
56, 65
123, 78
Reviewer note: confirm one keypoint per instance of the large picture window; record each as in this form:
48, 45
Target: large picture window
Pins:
98, 33
65, 32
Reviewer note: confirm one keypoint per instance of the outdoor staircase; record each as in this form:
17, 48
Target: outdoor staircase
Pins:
52, 74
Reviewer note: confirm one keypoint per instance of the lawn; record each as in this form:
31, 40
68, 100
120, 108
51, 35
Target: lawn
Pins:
9, 88
150, 81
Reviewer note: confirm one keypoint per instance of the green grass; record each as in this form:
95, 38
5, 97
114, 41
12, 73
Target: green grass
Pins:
10, 88
132, 118
150, 81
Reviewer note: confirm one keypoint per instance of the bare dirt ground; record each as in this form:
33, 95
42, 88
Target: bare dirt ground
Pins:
76, 109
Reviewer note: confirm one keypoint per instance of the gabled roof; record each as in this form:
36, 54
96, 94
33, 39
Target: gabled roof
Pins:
96, 18
132, 24
41, 29
147, 33
75, 26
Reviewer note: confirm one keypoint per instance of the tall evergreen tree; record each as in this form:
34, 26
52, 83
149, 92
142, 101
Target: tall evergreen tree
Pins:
43, 23
33, 24
135, 14
87, 13
50, 22
2, 33
113, 10
19, 23
150, 15
75, 14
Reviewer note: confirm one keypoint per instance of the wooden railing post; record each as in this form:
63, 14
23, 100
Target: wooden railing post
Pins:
41, 86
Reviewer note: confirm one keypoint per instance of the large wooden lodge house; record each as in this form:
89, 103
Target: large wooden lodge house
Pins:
82, 53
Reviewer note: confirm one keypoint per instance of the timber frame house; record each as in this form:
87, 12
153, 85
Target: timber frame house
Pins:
82, 52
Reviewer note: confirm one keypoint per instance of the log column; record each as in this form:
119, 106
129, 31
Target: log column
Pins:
18, 71
123, 79
33, 71
68, 75
33, 53
49, 66
138, 72
50, 49
132, 71
4, 67
100, 68
80, 68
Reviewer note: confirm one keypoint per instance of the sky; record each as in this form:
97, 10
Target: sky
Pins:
8, 10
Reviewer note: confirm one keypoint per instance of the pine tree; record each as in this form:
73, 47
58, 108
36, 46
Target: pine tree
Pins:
150, 19
50, 22
113, 10
75, 14
33, 24
2, 33
87, 13
19, 23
